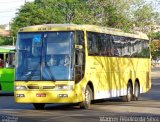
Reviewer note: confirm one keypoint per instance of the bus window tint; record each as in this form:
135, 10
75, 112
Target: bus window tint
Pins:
119, 46
116, 46
80, 38
104, 45
92, 43
140, 48
99, 44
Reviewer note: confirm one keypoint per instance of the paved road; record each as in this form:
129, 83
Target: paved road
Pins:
147, 109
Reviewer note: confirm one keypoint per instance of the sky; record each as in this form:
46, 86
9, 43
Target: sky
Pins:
8, 8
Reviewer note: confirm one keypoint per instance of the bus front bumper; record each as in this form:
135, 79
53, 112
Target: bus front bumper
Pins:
46, 97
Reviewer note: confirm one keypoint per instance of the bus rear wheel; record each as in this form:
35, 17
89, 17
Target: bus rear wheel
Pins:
88, 97
136, 91
39, 106
129, 95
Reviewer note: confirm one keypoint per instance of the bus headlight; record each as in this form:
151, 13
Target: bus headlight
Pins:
20, 88
64, 87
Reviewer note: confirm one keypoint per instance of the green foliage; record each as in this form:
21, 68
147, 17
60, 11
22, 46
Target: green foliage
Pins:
6, 41
155, 35
155, 48
99, 12
143, 15
111, 13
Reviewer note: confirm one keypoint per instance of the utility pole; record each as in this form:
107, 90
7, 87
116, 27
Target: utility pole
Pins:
13, 39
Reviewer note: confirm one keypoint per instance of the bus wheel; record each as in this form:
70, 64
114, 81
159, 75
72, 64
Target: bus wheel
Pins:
136, 91
129, 95
88, 97
39, 106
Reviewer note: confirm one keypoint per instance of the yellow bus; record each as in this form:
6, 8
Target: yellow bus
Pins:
69, 63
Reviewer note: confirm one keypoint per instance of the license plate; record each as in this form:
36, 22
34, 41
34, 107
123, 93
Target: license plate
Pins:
40, 95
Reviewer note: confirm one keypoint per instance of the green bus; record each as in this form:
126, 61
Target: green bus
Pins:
7, 64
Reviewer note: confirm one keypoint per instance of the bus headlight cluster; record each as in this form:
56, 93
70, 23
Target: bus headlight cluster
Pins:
64, 87
20, 88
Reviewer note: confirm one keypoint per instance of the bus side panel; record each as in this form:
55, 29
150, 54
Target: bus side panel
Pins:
107, 77
110, 75
143, 72
7, 86
94, 74
7, 79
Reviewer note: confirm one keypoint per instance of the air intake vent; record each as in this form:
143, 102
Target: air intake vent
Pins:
48, 87
33, 87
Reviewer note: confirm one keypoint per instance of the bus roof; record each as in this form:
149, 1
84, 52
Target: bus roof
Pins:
92, 28
6, 48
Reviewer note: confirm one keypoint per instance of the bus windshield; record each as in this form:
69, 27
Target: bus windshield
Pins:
45, 56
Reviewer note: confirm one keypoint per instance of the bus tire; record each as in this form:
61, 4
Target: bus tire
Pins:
39, 106
129, 95
136, 92
88, 97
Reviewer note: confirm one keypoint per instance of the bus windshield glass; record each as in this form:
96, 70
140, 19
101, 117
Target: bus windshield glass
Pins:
46, 56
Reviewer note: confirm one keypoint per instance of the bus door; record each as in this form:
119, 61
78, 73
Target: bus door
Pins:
79, 56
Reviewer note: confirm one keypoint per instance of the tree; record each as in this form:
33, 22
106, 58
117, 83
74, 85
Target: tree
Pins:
6, 41
157, 17
3, 26
155, 49
46, 11
111, 13
71, 11
145, 15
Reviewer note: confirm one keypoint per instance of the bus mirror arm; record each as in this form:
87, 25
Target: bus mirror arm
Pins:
80, 47
76, 65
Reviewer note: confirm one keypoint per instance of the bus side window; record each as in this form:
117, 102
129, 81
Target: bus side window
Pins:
10, 60
104, 45
7, 60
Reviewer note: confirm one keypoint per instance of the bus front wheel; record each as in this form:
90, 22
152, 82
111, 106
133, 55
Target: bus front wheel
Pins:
88, 97
39, 106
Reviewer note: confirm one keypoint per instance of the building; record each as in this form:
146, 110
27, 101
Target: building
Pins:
5, 33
